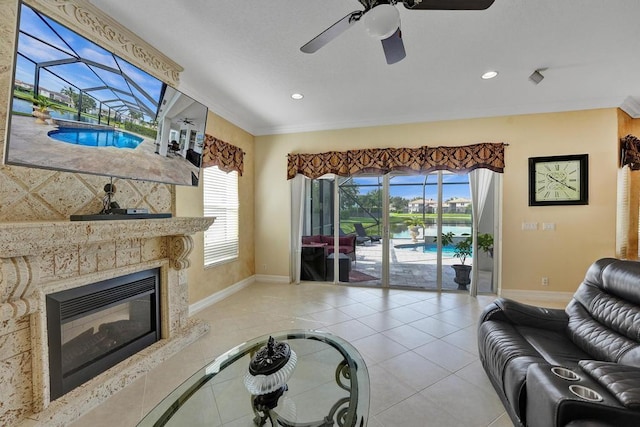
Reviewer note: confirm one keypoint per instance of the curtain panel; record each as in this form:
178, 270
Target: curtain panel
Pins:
630, 152
628, 214
383, 160
222, 154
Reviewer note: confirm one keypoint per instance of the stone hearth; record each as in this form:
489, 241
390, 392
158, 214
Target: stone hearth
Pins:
38, 258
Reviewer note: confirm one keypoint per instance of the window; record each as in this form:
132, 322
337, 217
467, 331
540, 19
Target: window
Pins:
220, 201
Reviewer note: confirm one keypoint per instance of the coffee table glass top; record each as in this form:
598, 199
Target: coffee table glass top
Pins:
329, 386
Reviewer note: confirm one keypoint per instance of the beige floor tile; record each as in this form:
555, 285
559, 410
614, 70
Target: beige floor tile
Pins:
414, 370
386, 390
406, 314
330, 317
351, 330
475, 374
446, 355
416, 411
473, 405
378, 348
380, 321
466, 339
409, 336
358, 310
434, 327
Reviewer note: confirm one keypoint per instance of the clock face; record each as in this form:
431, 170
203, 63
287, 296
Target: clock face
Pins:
558, 180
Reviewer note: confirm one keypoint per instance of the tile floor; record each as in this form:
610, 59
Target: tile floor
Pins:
420, 349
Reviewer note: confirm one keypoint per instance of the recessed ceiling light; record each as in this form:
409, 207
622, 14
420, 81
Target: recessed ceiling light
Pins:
489, 75
297, 96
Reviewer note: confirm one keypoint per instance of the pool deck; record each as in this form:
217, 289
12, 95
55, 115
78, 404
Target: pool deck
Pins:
30, 146
411, 268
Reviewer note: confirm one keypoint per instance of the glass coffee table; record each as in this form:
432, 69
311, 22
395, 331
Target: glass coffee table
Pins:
329, 387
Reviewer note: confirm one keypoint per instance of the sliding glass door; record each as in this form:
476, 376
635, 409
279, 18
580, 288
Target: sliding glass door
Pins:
395, 221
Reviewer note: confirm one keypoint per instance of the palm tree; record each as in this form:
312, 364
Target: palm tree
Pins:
71, 93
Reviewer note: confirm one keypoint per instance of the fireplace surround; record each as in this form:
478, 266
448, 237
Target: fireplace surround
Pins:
42, 258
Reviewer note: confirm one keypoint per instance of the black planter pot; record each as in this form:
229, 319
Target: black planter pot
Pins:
463, 275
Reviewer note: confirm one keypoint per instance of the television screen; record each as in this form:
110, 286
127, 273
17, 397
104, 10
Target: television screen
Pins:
77, 107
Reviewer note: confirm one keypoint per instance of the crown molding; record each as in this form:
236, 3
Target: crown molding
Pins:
631, 106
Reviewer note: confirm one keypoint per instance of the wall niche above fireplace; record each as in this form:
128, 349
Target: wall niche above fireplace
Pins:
92, 328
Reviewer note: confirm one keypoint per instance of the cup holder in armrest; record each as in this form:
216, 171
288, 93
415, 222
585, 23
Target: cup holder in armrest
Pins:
585, 393
565, 374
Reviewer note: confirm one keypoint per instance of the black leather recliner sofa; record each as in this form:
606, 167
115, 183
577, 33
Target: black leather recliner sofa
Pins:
574, 367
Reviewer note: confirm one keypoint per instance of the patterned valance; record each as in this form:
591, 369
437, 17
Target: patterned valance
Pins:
630, 152
222, 154
382, 160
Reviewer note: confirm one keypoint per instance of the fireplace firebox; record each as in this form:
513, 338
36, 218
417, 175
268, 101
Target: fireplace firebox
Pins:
94, 327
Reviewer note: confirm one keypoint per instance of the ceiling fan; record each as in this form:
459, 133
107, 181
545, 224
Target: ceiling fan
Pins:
382, 20
186, 121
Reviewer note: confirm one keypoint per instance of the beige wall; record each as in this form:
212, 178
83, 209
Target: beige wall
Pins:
204, 282
583, 233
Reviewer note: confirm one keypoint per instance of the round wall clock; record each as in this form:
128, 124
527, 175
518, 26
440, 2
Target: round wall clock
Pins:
559, 180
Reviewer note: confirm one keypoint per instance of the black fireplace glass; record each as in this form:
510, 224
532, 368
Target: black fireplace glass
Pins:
94, 327
89, 338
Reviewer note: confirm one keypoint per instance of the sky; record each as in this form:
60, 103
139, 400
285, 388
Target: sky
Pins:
68, 45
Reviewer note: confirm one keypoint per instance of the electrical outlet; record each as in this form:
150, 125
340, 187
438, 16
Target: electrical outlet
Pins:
545, 281
264, 267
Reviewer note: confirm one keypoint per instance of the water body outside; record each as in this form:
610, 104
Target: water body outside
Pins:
26, 107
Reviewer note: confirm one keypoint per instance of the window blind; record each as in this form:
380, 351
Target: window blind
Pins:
220, 201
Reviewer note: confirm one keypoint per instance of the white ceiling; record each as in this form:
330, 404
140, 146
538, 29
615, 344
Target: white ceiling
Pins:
242, 59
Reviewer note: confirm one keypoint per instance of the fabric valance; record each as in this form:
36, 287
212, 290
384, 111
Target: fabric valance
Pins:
630, 152
383, 160
222, 154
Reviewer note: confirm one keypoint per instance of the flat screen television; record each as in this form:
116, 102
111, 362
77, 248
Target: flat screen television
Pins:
77, 107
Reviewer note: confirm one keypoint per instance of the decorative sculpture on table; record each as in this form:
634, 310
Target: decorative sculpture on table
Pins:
269, 370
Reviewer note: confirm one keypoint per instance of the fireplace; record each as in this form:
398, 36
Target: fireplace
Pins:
92, 328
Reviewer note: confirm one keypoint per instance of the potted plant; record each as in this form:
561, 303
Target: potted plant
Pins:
462, 250
414, 225
41, 106
485, 243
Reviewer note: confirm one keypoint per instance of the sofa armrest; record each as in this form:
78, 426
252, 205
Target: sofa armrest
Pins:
551, 402
511, 311
622, 381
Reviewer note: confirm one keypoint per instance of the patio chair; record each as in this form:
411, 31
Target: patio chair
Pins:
361, 232
359, 240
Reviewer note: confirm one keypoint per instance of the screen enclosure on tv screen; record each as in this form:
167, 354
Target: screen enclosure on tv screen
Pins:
77, 107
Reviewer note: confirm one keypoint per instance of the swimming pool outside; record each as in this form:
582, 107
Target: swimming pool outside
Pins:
96, 137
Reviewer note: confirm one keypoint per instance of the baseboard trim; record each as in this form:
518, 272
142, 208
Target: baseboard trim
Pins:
219, 296
550, 296
272, 279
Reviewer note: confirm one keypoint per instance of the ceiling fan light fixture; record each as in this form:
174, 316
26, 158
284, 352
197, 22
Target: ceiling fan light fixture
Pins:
489, 75
382, 21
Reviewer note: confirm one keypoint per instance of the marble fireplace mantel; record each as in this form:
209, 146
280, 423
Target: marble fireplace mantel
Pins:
38, 258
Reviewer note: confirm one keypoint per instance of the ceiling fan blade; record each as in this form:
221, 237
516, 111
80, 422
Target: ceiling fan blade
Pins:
394, 48
447, 4
332, 32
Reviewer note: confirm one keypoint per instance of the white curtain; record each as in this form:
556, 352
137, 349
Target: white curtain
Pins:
479, 183
297, 217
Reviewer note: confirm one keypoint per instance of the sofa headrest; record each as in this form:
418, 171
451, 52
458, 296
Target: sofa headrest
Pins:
617, 277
